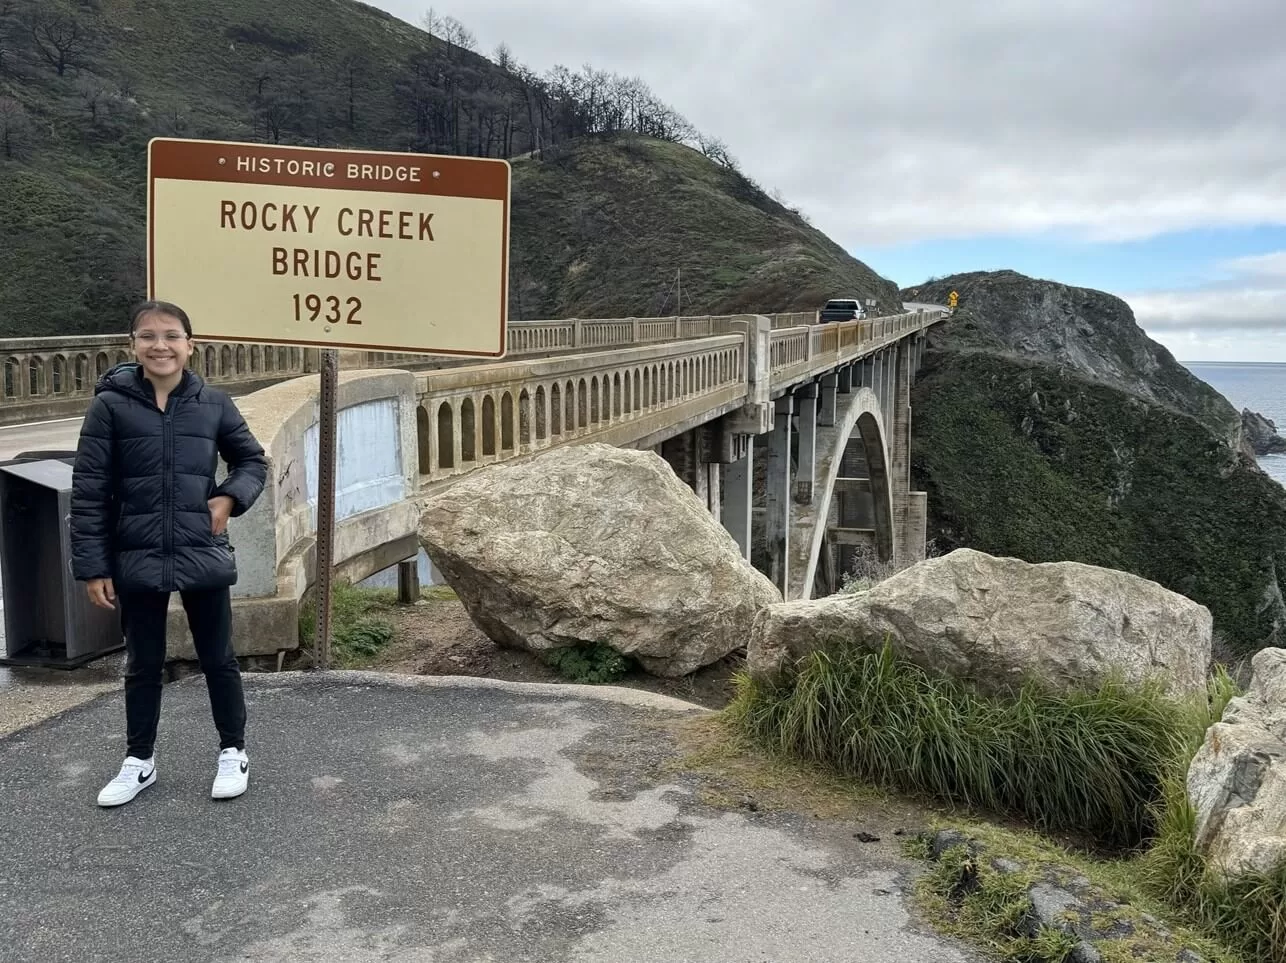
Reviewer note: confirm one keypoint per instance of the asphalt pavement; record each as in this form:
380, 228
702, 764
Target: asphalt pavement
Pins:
423, 819
61, 435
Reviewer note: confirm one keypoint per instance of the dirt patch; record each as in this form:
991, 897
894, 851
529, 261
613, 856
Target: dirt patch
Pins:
436, 637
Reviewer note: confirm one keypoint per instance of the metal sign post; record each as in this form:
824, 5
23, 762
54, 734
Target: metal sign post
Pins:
370, 250
326, 431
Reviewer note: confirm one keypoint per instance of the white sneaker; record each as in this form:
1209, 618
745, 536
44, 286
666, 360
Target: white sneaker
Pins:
135, 776
234, 774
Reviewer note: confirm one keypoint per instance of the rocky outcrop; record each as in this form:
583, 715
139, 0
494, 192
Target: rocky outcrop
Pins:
595, 544
1260, 434
1237, 781
1079, 330
1049, 427
997, 622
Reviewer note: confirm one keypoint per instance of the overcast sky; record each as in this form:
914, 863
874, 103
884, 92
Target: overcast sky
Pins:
1136, 146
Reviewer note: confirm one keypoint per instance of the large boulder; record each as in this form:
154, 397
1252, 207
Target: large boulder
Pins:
592, 543
997, 622
1237, 781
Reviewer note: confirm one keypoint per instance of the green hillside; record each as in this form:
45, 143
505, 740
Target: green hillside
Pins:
628, 226
606, 215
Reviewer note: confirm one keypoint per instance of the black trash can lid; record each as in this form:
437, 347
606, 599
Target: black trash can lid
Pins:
67, 456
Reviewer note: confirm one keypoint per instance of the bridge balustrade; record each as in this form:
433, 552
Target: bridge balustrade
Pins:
55, 377
804, 351
47, 377
471, 416
545, 338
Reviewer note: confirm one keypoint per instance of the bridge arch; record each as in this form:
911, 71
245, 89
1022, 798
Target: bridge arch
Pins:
862, 419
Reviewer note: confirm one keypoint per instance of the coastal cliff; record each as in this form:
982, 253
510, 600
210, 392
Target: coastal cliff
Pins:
1047, 426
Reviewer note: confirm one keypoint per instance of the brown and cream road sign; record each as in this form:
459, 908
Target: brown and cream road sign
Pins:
332, 248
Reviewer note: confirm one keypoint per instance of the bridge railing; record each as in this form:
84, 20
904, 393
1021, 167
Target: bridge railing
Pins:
472, 416
534, 338
794, 319
799, 350
55, 377
47, 377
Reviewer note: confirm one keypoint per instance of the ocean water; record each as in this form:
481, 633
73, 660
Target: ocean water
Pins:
1259, 387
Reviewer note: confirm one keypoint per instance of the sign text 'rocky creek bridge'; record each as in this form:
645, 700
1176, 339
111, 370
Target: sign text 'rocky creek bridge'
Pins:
795, 434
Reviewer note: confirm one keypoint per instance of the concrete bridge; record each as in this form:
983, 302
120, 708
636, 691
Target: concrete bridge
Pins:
796, 435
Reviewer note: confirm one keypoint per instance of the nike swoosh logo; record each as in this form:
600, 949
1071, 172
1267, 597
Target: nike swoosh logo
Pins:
245, 767
145, 776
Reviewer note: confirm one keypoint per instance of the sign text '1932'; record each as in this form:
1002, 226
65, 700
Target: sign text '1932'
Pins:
314, 307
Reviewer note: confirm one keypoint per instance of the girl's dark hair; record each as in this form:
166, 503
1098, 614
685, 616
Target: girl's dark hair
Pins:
162, 307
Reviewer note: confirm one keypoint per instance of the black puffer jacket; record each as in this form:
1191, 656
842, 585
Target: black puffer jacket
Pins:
143, 479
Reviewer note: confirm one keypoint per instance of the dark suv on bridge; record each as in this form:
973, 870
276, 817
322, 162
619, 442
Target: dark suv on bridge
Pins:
842, 309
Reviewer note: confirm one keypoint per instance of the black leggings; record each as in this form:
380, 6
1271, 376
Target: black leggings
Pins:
209, 613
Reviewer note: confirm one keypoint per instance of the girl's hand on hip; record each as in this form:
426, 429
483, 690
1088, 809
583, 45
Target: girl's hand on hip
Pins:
220, 510
101, 592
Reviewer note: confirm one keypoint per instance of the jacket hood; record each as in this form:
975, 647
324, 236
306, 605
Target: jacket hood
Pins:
127, 378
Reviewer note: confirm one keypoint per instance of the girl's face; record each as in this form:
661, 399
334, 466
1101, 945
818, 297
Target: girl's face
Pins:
161, 345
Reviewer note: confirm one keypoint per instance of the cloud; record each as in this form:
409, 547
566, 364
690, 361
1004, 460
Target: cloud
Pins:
1251, 299
1246, 309
1266, 266
899, 121
1192, 344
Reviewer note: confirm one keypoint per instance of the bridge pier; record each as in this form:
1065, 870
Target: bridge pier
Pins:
690, 455
910, 509
738, 498
844, 383
806, 459
777, 493
826, 404
835, 477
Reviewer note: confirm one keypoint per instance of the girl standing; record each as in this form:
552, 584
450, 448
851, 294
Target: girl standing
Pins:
148, 519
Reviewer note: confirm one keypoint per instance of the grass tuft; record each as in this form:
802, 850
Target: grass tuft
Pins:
1091, 762
360, 630
1248, 913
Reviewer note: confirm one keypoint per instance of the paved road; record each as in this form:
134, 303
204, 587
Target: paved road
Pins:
45, 436
412, 819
